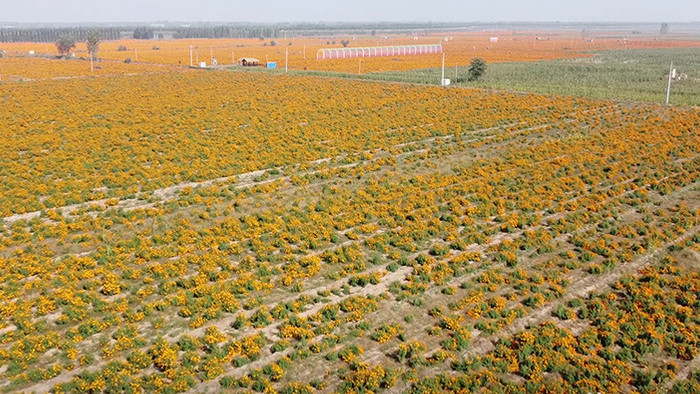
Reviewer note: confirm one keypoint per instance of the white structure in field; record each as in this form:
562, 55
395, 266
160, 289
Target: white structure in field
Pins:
493, 39
395, 50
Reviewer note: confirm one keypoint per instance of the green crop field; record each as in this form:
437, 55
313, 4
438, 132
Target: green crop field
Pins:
621, 75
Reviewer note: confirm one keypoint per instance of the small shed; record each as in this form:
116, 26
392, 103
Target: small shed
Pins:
249, 61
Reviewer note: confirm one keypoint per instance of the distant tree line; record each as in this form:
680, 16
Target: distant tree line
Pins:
372, 28
263, 31
45, 34
33, 33
269, 31
53, 34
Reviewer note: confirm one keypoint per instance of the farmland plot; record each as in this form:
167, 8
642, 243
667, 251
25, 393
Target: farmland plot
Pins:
347, 237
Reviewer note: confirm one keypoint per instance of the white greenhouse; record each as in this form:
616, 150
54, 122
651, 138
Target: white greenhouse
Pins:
394, 50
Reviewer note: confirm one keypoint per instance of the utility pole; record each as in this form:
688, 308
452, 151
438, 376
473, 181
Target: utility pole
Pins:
456, 68
668, 88
286, 60
443, 69
191, 56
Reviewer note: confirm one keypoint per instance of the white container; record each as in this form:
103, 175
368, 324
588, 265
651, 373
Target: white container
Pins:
203, 64
445, 82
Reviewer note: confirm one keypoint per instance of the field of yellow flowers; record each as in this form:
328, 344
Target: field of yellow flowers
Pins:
205, 230
23, 69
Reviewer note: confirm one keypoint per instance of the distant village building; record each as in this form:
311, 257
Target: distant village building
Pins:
163, 34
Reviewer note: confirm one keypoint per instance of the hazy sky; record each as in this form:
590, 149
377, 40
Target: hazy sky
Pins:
345, 10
